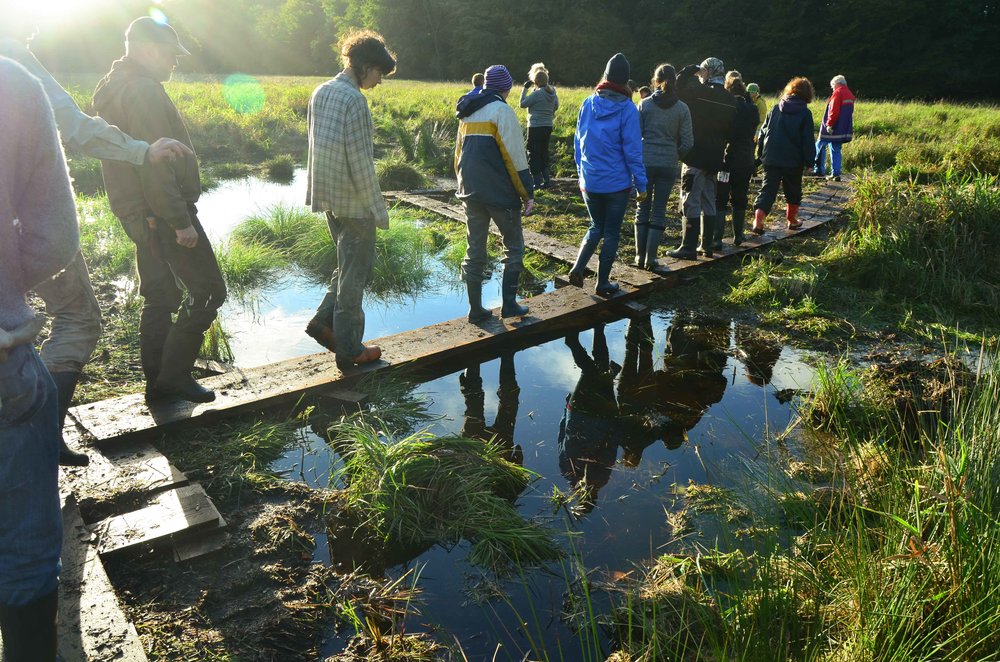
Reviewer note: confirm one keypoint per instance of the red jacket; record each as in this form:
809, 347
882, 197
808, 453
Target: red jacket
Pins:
838, 120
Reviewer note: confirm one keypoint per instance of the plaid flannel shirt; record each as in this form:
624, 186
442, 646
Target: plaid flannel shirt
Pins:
342, 154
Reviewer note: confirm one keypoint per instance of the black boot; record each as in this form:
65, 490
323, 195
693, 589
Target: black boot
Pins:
175, 380
476, 311
604, 285
719, 226
29, 631
508, 288
580, 266
707, 245
739, 224
689, 239
65, 385
641, 241
652, 246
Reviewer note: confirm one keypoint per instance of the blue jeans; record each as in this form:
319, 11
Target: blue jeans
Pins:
606, 211
835, 157
30, 518
653, 210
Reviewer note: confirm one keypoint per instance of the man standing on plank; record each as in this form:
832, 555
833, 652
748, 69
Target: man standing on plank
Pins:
156, 206
342, 184
69, 298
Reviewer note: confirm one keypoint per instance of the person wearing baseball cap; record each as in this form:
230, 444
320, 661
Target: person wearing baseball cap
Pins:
753, 89
146, 29
494, 183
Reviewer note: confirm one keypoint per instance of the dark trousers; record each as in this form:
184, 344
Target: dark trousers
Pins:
735, 192
538, 151
790, 179
167, 271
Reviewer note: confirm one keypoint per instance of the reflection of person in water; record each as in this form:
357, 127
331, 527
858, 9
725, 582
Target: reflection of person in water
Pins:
759, 354
638, 396
502, 430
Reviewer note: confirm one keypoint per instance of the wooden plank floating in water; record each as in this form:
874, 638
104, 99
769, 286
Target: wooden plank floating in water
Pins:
169, 513
254, 389
92, 626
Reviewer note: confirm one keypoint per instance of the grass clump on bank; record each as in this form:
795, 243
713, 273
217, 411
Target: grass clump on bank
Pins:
424, 490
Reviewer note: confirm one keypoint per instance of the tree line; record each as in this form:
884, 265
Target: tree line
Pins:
886, 48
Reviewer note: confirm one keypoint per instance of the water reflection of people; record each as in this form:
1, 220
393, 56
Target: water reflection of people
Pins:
508, 393
637, 393
759, 354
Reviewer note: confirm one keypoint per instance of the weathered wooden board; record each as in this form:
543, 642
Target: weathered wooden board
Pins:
133, 467
92, 626
180, 510
129, 417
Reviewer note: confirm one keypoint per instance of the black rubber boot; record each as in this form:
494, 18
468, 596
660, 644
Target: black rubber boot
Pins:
739, 225
642, 233
604, 285
707, 246
689, 239
508, 289
175, 380
476, 311
29, 631
65, 385
653, 240
580, 266
719, 227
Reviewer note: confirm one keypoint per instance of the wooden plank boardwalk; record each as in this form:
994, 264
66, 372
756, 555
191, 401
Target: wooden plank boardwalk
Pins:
129, 417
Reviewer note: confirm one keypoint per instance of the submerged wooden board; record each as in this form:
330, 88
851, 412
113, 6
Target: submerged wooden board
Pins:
129, 417
169, 513
92, 626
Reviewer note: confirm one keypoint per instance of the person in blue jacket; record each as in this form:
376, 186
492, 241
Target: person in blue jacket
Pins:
608, 153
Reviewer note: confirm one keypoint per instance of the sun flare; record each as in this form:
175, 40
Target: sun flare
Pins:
48, 12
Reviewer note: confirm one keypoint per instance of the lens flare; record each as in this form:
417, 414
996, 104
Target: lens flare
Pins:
243, 93
158, 16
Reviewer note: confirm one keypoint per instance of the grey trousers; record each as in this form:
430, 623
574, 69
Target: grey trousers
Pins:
76, 318
341, 308
477, 230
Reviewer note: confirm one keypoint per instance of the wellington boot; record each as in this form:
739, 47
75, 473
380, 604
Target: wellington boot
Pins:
707, 235
476, 311
605, 287
175, 381
719, 229
580, 266
29, 631
641, 239
739, 224
759, 216
65, 386
508, 290
689, 239
653, 239
792, 216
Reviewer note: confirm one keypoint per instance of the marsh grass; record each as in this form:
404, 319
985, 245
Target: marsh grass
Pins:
109, 252
423, 490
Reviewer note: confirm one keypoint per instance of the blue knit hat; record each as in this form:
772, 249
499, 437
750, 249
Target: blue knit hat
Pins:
498, 78
618, 70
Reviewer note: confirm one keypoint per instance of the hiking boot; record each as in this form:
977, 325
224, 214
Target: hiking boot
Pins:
369, 354
321, 333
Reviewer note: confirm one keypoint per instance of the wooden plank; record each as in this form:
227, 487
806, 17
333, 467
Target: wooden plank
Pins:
92, 625
129, 467
129, 417
343, 397
212, 367
199, 543
169, 513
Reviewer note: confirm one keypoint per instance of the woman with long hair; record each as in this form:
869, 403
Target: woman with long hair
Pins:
542, 102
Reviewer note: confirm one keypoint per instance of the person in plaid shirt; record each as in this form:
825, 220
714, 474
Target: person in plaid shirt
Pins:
342, 184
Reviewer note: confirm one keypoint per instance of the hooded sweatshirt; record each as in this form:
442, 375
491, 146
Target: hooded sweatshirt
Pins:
490, 161
542, 105
666, 129
786, 139
608, 144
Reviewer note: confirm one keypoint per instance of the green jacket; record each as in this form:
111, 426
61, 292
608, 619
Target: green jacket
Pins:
136, 103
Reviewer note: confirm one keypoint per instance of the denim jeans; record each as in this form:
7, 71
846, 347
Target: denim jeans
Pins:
477, 231
341, 308
606, 211
653, 210
836, 157
30, 518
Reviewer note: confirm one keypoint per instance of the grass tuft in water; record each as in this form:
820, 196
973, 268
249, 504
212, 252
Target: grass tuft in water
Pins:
424, 490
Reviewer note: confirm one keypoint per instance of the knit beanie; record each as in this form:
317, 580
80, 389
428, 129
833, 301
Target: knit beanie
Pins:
618, 70
498, 78
713, 67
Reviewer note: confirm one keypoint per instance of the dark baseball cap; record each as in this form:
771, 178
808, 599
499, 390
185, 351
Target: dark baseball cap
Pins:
149, 30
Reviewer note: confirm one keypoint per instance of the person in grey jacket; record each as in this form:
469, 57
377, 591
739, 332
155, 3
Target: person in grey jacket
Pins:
666, 137
542, 103
69, 297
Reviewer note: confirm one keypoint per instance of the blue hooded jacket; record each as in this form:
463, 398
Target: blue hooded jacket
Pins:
608, 144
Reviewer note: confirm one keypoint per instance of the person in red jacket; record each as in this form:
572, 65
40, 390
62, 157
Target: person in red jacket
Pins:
837, 127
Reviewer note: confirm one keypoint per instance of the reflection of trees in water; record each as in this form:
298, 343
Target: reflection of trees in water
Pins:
758, 352
508, 393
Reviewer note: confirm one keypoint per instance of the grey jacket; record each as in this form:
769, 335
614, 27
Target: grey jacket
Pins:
666, 133
542, 105
35, 190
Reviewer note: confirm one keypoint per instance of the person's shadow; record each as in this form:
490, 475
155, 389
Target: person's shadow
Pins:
508, 393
